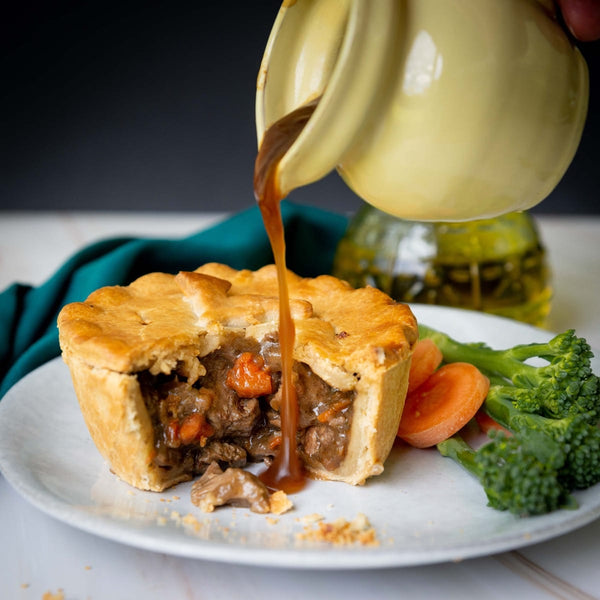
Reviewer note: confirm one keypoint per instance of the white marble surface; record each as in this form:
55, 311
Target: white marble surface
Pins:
39, 554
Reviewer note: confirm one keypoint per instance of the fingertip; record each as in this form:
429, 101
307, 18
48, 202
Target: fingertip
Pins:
582, 17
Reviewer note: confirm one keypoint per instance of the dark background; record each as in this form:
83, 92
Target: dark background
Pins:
150, 106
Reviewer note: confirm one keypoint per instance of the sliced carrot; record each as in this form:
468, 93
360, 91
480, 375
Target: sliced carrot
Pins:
487, 424
333, 410
250, 377
275, 442
442, 405
194, 427
426, 358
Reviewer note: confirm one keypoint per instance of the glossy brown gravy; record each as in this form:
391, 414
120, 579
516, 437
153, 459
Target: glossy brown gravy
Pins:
286, 472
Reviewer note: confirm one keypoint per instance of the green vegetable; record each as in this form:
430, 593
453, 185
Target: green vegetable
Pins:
513, 478
552, 408
564, 385
573, 437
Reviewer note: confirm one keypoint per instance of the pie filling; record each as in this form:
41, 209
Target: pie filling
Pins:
230, 415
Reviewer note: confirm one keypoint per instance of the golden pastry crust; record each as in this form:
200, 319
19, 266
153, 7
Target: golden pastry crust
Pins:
356, 340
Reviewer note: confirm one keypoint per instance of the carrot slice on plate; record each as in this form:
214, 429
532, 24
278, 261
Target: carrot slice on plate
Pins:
487, 424
442, 405
426, 358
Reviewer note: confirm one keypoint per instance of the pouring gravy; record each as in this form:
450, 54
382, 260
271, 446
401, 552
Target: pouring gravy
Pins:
286, 472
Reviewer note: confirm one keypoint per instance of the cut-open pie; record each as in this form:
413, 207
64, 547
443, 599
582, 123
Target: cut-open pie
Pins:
175, 372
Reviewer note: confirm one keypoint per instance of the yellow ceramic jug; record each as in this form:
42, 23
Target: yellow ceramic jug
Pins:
429, 109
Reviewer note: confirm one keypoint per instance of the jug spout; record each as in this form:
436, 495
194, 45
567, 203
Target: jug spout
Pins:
450, 111
337, 52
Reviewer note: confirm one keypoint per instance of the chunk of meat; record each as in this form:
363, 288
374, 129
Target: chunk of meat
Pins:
262, 444
220, 452
233, 417
232, 486
178, 399
321, 443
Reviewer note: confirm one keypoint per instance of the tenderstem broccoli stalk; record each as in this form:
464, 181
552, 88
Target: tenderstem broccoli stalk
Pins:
513, 478
562, 385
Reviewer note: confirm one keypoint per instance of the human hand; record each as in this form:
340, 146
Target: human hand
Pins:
582, 17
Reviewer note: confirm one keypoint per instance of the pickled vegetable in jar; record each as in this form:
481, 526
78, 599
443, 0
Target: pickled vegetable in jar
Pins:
496, 265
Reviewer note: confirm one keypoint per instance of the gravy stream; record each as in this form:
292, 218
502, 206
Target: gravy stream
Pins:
286, 472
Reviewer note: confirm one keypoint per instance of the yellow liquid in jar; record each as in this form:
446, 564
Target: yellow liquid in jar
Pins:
495, 265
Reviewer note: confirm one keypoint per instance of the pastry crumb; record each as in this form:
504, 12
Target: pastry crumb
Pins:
312, 518
59, 595
272, 520
280, 503
191, 521
341, 532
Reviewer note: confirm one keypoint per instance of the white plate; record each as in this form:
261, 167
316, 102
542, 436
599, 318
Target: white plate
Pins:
424, 508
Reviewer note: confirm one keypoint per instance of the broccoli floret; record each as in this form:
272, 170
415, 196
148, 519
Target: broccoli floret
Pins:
513, 478
571, 436
564, 385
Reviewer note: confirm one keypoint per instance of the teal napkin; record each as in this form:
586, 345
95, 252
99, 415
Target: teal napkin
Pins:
28, 333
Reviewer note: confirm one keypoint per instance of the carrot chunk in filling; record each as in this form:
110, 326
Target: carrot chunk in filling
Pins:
250, 377
193, 428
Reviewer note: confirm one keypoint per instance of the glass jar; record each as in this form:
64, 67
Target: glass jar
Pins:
494, 265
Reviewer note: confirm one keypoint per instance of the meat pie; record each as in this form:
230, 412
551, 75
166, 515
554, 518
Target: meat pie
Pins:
174, 373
